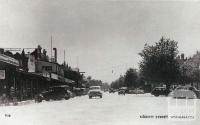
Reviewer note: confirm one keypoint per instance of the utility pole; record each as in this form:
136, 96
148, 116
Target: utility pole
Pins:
51, 49
64, 57
77, 61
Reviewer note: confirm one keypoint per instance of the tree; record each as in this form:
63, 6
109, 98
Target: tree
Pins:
118, 83
159, 62
73, 75
196, 76
105, 86
187, 74
94, 82
131, 78
140, 81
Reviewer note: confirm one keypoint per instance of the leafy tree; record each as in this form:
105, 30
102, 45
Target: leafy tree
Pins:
118, 83
131, 78
196, 76
105, 86
94, 82
140, 81
89, 78
73, 75
159, 62
187, 74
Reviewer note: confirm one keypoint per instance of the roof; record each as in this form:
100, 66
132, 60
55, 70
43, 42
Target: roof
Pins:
9, 60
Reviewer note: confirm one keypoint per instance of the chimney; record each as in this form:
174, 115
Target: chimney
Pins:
39, 48
55, 54
1, 50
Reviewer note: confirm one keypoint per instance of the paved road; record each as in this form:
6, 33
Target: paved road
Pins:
110, 110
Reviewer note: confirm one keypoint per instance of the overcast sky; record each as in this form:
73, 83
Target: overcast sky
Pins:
102, 37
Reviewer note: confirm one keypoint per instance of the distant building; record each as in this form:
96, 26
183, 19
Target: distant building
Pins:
192, 63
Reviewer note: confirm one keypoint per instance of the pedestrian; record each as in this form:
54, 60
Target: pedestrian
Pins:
4, 96
13, 95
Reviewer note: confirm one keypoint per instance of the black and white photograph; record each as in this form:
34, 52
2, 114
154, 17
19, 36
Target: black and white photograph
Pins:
99, 62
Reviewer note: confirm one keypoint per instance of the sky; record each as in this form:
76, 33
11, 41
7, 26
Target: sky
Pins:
101, 37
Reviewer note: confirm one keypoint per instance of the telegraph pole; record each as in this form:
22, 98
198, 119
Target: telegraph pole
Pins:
77, 60
51, 49
64, 57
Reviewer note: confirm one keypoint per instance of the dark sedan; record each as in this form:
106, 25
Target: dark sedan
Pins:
121, 92
157, 91
53, 93
112, 90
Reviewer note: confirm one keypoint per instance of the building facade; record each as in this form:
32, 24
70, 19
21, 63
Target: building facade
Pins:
29, 73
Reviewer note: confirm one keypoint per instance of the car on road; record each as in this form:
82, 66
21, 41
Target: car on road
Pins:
157, 91
185, 92
54, 93
111, 90
136, 91
131, 91
122, 91
95, 91
195, 90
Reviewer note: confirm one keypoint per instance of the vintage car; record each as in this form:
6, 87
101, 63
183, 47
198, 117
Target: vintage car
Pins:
136, 91
111, 90
185, 92
122, 91
54, 93
95, 91
157, 91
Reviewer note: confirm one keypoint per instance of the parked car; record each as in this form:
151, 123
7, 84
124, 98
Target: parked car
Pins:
79, 91
157, 91
112, 90
136, 91
95, 91
131, 91
195, 90
121, 92
185, 92
72, 95
53, 93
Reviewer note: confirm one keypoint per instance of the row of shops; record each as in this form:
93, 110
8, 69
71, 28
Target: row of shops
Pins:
26, 84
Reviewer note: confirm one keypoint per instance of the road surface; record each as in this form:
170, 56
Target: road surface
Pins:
112, 109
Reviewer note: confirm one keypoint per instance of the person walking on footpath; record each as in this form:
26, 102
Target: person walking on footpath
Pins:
13, 95
4, 97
